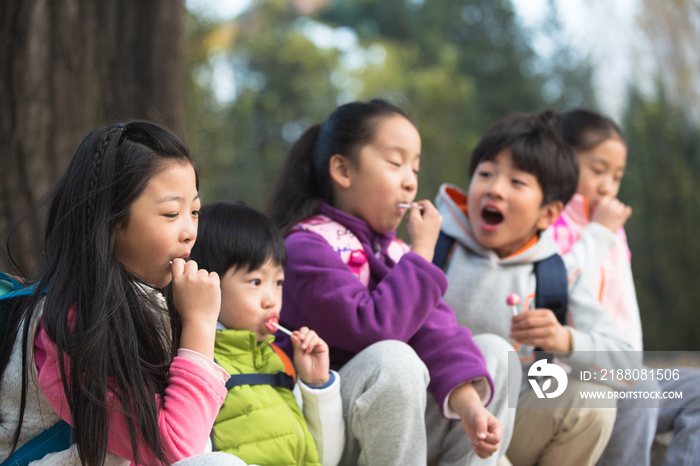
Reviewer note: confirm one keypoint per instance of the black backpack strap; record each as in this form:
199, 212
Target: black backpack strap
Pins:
280, 379
552, 286
442, 249
552, 290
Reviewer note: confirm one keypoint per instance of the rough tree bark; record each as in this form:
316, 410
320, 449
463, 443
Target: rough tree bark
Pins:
66, 67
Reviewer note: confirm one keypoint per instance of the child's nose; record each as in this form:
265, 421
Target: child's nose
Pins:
269, 300
606, 186
410, 181
189, 230
496, 186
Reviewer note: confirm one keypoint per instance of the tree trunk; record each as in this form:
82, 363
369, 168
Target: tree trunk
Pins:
67, 67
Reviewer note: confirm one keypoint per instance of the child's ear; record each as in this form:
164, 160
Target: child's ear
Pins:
549, 213
340, 170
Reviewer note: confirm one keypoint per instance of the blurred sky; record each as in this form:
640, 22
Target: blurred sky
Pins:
605, 32
221, 9
601, 30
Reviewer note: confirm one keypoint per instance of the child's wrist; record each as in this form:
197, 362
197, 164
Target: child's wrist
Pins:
425, 253
464, 398
570, 340
201, 322
566, 341
606, 225
198, 335
316, 381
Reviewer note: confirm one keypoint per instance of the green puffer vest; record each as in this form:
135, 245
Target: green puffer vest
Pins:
260, 424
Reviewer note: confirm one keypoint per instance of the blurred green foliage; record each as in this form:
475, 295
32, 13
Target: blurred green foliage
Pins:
456, 66
661, 180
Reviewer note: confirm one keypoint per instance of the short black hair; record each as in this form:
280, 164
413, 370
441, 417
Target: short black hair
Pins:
236, 235
536, 147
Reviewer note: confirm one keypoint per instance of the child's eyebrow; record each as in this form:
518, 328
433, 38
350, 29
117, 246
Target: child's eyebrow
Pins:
393, 148
400, 149
175, 197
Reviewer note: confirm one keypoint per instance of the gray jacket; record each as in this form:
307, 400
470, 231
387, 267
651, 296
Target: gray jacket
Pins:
480, 281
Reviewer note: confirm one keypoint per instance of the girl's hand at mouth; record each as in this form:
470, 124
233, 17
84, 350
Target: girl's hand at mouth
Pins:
424, 228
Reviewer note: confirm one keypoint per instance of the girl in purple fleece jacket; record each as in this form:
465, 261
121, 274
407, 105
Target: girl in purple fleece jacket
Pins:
345, 187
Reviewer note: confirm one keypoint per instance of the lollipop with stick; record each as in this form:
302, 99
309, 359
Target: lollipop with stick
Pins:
513, 300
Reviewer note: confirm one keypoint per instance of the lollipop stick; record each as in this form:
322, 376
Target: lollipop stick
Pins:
282, 329
408, 206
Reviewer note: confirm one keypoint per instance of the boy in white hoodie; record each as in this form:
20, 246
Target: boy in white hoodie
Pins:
522, 174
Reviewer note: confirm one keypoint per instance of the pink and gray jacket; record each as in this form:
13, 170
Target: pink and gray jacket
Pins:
604, 259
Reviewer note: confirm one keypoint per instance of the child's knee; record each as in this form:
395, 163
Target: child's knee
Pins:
386, 367
396, 362
588, 416
495, 350
385, 381
496, 355
593, 425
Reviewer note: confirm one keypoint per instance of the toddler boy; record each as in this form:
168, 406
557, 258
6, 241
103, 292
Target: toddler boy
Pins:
261, 421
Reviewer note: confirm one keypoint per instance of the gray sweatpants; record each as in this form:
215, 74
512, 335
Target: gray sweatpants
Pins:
683, 417
635, 427
634, 430
391, 419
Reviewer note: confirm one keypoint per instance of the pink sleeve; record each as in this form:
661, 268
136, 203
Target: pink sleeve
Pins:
563, 234
213, 368
192, 401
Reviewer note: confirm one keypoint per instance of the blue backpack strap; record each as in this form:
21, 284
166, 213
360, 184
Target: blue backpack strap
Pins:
552, 290
10, 288
280, 379
7, 284
442, 249
59, 437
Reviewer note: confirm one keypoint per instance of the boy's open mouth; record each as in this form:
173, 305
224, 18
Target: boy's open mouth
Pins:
491, 216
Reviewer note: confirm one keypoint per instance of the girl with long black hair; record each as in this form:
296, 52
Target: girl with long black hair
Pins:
98, 344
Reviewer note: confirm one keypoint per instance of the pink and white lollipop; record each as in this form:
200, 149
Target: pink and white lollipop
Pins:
513, 300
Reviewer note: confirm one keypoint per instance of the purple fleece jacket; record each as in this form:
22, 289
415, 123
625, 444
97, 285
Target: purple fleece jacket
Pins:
402, 302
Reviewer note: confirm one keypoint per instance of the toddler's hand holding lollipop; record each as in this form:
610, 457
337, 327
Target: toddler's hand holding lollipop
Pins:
311, 357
